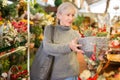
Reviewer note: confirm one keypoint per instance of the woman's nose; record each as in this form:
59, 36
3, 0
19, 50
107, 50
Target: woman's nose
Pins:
71, 17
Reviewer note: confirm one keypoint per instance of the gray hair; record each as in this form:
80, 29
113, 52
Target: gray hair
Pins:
66, 7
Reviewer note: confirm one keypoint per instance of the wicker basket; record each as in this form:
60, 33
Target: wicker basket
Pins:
111, 78
113, 57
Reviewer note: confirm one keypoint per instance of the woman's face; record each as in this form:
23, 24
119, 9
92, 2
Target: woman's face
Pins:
66, 18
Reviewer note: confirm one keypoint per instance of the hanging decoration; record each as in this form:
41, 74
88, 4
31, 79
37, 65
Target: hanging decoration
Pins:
4, 3
45, 1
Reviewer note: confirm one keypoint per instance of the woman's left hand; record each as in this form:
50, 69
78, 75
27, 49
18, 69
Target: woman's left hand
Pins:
75, 46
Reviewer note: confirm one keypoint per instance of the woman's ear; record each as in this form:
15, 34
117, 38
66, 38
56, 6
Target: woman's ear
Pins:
57, 21
58, 16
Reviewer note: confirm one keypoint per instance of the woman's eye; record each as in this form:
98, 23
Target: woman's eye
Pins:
73, 15
70, 15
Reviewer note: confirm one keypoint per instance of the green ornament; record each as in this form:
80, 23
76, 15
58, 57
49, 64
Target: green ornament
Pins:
57, 2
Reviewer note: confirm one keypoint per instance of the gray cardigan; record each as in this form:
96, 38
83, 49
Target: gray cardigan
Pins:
66, 63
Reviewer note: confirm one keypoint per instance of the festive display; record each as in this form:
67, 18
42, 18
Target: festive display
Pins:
13, 37
99, 39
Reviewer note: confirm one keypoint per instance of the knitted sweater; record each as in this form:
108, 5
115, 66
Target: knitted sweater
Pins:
66, 63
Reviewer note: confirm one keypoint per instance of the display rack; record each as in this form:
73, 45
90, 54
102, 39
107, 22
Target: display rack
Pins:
13, 52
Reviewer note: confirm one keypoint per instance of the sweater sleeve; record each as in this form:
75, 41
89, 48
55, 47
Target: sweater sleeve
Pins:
53, 48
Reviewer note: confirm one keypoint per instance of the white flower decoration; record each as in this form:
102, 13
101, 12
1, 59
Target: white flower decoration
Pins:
4, 74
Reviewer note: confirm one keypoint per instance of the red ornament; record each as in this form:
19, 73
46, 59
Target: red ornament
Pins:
79, 78
93, 57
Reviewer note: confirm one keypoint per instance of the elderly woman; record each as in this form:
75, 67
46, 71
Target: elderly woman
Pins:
65, 46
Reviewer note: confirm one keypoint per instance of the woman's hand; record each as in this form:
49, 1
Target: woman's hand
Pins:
75, 46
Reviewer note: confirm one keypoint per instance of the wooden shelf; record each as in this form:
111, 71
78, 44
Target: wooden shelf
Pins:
51, 9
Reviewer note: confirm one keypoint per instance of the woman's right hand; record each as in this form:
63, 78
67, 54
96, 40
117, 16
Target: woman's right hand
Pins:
74, 46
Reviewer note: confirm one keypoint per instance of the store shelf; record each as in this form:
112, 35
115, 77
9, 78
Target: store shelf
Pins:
17, 49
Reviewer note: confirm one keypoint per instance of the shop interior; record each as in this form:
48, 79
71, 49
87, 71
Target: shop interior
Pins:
22, 24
